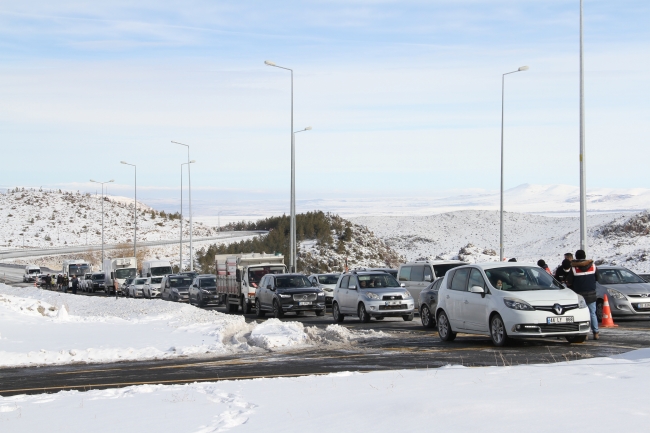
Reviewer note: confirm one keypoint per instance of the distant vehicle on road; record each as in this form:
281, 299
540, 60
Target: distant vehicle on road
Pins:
203, 290
125, 285
151, 288
86, 282
136, 290
288, 293
325, 282
238, 276
191, 274
76, 267
99, 283
368, 294
118, 269
529, 303
417, 275
393, 272
429, 304
31, 273
176, 287
156, 268
628, 294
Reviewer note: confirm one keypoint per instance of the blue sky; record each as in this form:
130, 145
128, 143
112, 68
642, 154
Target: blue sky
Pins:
404, 96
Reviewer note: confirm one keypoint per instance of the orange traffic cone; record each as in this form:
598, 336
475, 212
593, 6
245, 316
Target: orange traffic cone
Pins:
607, 322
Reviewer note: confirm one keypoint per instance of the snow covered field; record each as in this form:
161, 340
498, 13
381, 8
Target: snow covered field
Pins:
39, 327
531, 398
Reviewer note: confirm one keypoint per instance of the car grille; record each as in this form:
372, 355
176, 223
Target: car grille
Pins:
392, 307
305, 297
392, 297
550, 309
559, 327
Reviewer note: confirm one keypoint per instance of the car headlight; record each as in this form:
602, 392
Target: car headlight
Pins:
406, 295
321, 293
205, 291
283, 296
615, 294
582, 303
517, 304
371, 295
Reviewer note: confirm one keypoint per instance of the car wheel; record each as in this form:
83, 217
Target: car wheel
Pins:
444, 328
576, 339
408, 317
258, 309
599, 310
498, 331
277, 310
246, 307
336, 313
320, 312
426, 317
363, 314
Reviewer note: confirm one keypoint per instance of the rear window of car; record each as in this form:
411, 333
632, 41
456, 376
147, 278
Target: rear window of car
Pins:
405, 273
441, 270
180, 281
207, 282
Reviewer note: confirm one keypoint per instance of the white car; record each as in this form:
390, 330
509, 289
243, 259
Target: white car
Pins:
136, 290
508, 300
151, 288
327, 283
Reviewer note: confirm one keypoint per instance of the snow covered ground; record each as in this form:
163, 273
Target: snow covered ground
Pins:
530, 398
39, 327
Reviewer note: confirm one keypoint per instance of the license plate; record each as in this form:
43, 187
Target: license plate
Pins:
304, 303
644, 305
393, 302
552, 320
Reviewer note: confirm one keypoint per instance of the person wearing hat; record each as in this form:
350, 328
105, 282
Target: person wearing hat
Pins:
564, 273
584, 284
542, 264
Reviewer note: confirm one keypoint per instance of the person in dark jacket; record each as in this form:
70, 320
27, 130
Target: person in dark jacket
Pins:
59, 282
542, 264
584, 284
75, 284
65, 282
564, 273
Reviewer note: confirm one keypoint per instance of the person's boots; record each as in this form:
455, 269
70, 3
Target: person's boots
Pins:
596, 336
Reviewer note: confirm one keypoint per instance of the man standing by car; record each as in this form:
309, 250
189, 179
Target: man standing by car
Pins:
75, 284
584, 284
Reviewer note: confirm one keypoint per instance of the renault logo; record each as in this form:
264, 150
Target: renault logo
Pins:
558, 309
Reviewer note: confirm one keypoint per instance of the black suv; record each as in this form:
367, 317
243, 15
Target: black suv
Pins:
175, 287
284, 293
99, 281
203, 290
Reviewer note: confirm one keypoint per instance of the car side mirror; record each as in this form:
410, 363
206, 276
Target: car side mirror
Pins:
402, 285
314, 284
269, 287
477, 289
352, 287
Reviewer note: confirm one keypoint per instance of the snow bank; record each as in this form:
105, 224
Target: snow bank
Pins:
39, 327
531, 398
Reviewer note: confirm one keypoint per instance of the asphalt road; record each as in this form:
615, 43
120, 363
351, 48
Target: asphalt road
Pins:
403, 345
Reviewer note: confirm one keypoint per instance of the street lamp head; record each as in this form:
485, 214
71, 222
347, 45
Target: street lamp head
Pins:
93, 180
193, 161
110, 181
123, 162
523, 68
268, 62
308, 128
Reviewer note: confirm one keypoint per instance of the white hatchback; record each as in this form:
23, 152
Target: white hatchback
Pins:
508, 300
136, 290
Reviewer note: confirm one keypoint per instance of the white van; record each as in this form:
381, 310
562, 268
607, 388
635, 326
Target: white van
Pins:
156, 268
31, 273
416, 276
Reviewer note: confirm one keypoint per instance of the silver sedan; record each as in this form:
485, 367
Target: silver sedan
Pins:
627, 293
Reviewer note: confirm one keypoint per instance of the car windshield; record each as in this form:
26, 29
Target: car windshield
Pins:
375, 281
255, 274
98, 277
161, 270
156, 280
328, 279
121, 274
140, 281
34, 271
292, 282
207, 282
617, 276
521, 279
180, 281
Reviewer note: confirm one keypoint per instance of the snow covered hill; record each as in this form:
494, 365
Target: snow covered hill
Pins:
613, 238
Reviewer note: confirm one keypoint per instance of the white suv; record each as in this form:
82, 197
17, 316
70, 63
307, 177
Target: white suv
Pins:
508, 300
371, 294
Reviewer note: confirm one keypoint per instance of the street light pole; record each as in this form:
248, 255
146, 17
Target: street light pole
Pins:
189, 183
583, 174
292, 236
180, 263
294, 249
102, 183
135, 209
503, 82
